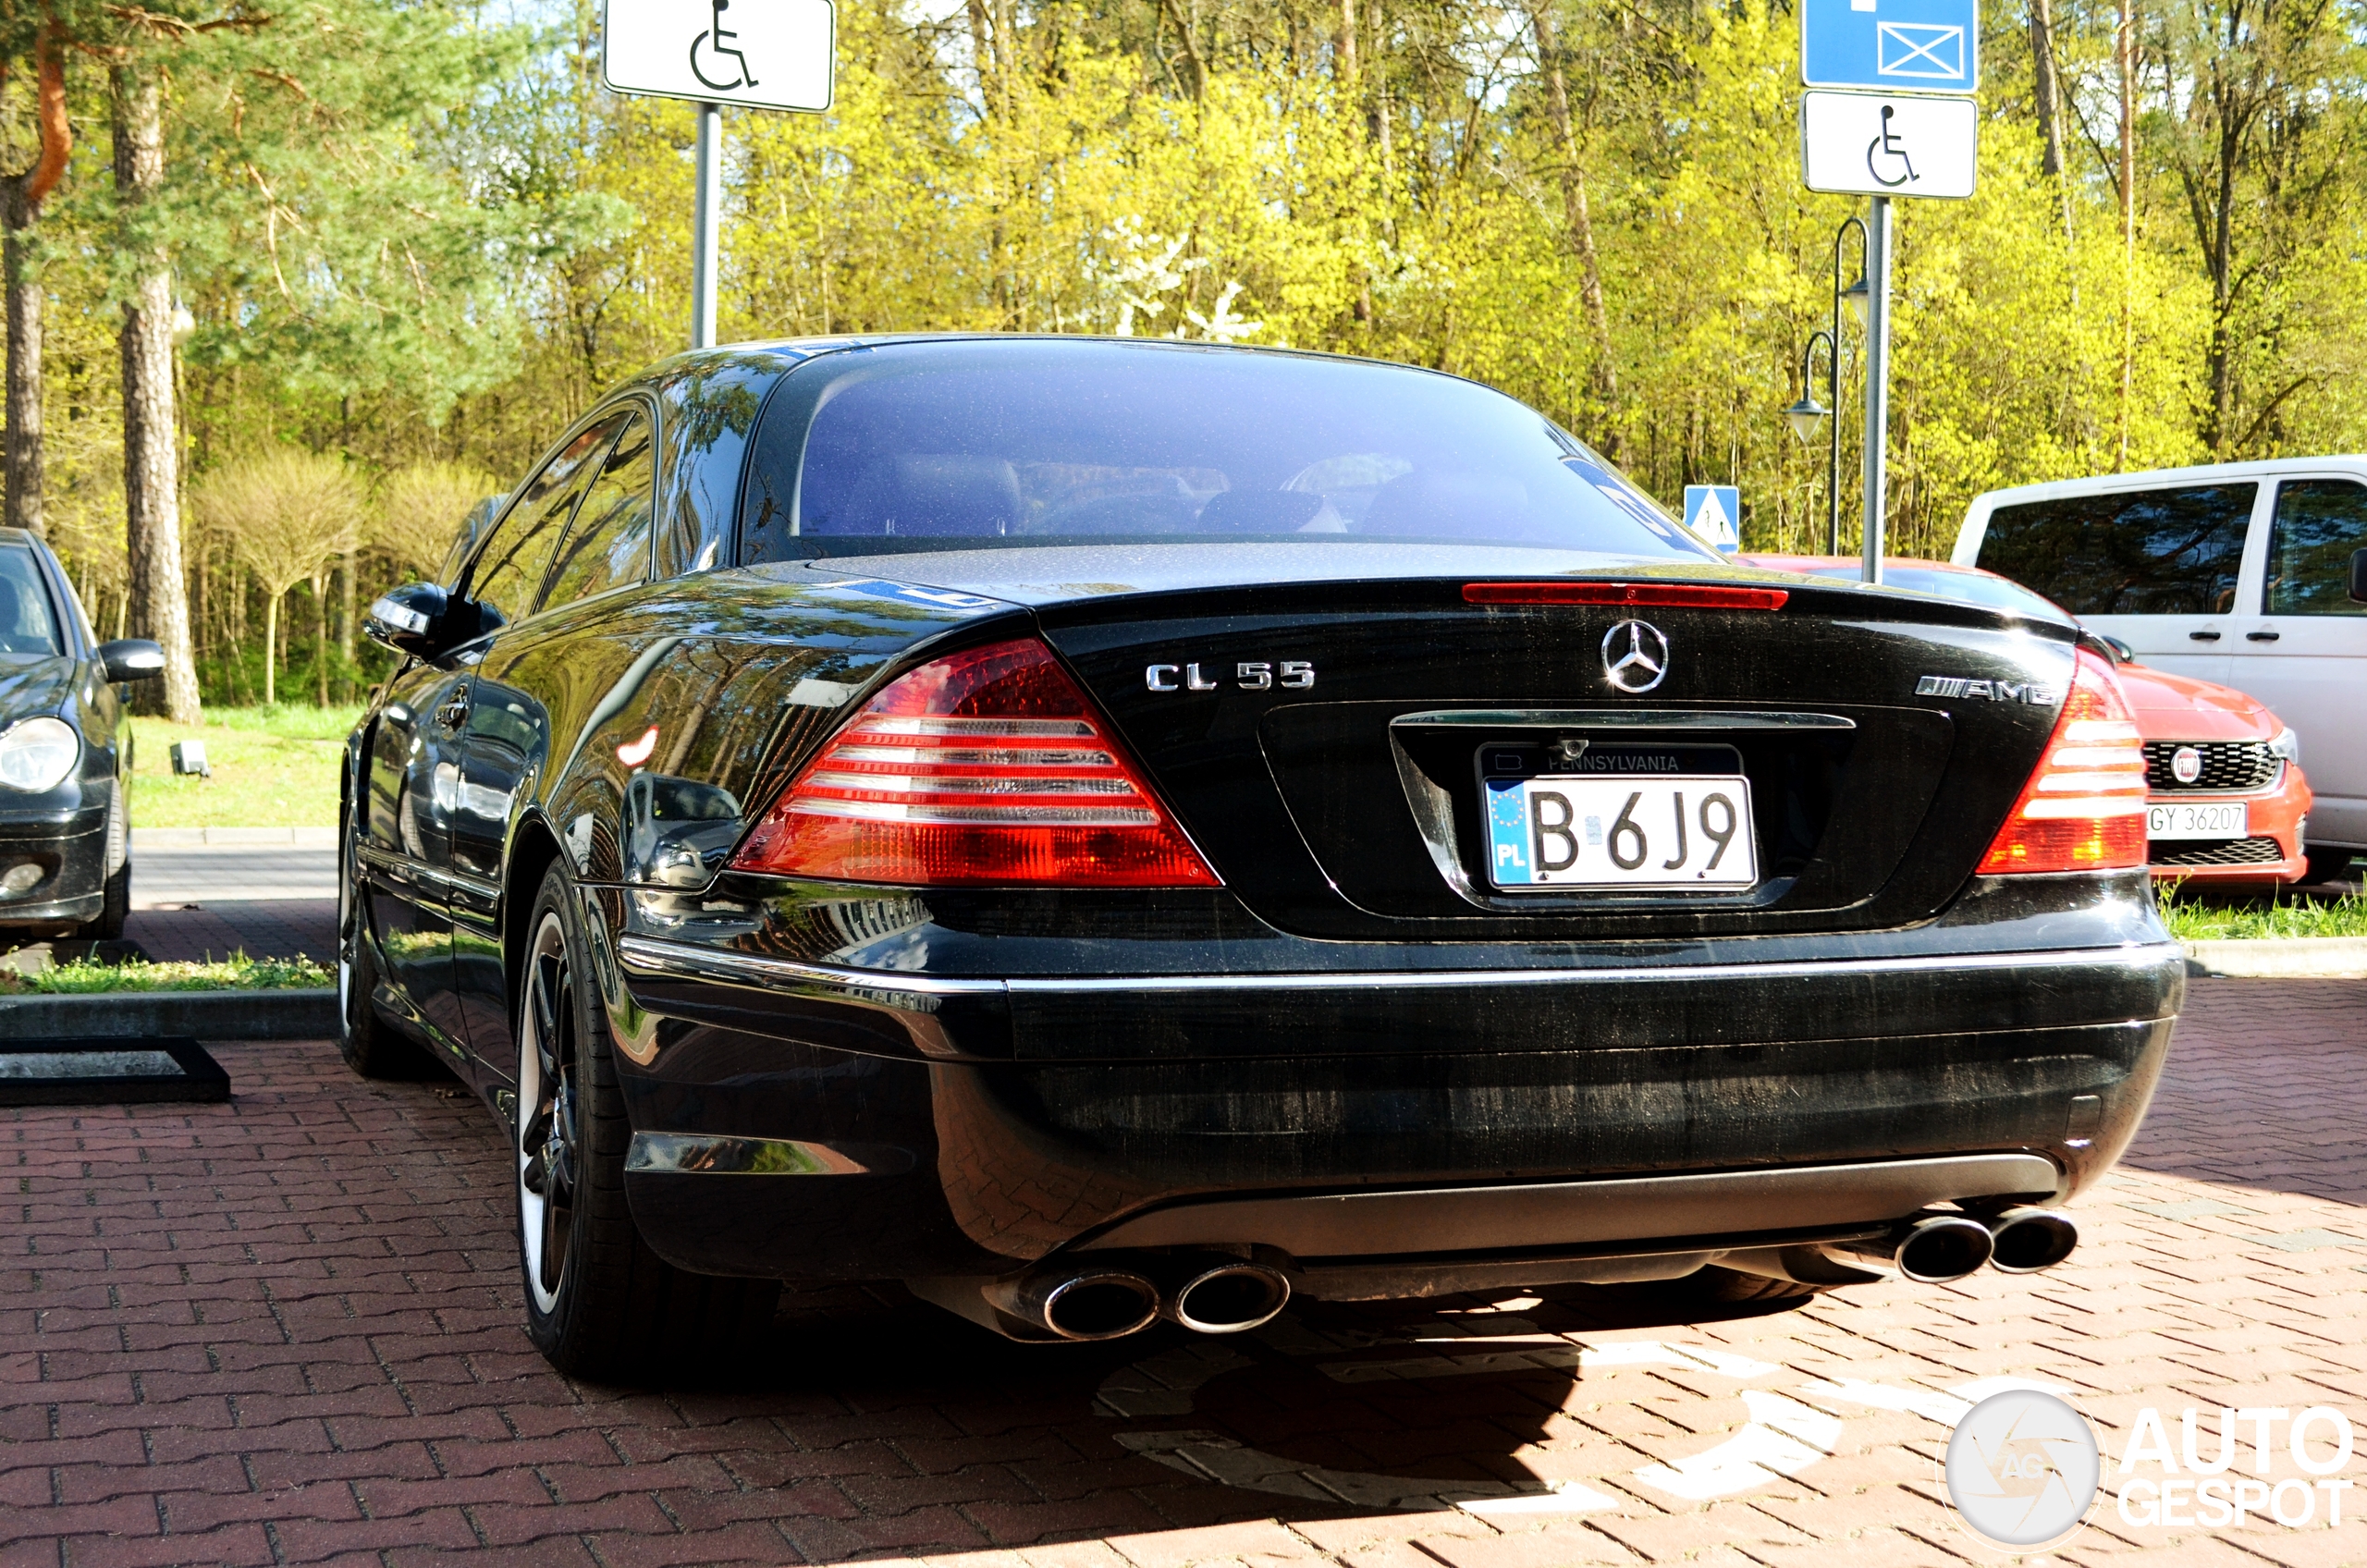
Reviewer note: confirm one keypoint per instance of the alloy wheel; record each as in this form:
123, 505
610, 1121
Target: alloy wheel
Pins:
549, 1121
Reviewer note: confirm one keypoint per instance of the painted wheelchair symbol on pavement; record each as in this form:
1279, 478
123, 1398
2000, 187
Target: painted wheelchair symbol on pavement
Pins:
717, 39
1782, 1436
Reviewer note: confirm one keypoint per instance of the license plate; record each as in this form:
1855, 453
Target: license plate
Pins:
2217, 819
1563, 830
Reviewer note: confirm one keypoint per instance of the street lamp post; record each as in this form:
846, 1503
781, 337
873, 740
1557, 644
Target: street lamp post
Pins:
1805, 415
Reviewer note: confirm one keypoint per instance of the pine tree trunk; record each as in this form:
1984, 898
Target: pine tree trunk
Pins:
1577, 217
2046, 94
25, 482
270, 649
151, 434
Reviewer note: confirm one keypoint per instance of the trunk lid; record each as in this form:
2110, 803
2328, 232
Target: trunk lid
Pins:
1323, 735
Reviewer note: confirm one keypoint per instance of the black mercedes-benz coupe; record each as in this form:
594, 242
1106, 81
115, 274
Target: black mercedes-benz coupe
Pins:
65, 754
1099, 831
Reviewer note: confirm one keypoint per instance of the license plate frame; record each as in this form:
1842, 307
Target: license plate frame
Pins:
2187, 821
1551, 827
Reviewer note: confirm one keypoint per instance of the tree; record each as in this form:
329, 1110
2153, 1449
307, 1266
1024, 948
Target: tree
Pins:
288, 516
21, 196
419, 511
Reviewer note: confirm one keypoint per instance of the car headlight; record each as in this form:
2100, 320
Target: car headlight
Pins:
2287, 745
38, 754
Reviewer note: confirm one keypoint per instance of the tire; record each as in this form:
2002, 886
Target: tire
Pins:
367, 1041
2328, 865
600, 1305
117, 906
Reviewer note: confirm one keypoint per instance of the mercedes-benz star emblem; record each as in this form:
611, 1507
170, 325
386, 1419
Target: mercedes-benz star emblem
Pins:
1635, 656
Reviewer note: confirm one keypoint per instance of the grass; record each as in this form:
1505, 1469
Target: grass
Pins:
2193, 919
273, 768
238, 973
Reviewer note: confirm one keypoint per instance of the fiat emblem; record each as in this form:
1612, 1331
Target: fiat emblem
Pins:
1635, 656
2186, 765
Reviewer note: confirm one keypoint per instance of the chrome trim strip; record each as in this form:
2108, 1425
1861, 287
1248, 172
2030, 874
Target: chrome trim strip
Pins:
697, 962
706, 1155
397, 865
1583, 1212
1622, 718
2130, 957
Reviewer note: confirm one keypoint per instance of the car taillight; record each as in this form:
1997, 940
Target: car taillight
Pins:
2084, 807
986, 767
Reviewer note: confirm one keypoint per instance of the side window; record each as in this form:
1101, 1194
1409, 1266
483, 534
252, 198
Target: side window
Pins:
607, 547
2321, 524
2130, 552
510, 568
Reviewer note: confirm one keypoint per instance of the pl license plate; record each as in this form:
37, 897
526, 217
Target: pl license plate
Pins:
1567, 831
2217, 819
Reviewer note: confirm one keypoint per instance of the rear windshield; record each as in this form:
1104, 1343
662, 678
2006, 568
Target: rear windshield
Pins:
26, 624
959, 445
2132, 552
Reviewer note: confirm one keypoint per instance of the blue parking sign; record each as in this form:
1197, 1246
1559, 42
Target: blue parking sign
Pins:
1900, 46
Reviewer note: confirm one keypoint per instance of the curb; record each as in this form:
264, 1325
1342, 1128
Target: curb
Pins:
2280, 957
196, 838
197, 1015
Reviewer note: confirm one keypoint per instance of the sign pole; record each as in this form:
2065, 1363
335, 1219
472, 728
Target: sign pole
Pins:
1877, 378
703, 265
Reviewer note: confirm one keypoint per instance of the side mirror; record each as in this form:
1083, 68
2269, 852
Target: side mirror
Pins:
422, 620
131, 659
2358, 576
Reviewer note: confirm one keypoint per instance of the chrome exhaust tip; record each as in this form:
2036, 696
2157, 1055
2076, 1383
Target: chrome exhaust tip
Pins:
1080, 1304
2026, 1240
1228, 1296
1942, 1248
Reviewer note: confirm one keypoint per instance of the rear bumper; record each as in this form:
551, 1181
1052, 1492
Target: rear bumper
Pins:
803, 1122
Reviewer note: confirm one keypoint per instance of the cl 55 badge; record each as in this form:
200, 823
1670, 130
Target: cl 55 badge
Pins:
1994, 690
1251, 674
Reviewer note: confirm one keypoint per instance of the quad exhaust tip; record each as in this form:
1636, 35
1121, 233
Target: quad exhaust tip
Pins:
1942, 1248
2026, 1240
1228, 1296
1080, 1304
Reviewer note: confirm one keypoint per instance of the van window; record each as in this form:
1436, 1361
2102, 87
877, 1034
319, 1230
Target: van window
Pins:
2320, 524
2129, 552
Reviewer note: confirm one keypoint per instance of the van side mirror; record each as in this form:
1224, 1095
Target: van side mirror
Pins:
131, 659
2358, 576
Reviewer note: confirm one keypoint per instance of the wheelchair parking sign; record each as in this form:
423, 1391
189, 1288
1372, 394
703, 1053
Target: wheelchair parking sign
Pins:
764, 54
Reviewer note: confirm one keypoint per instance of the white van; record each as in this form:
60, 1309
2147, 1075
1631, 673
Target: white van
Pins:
2248, 574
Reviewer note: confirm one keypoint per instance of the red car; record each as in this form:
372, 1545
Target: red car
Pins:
2229, 795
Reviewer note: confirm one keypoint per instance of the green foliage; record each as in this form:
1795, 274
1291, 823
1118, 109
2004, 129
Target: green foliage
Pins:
409, 236
2193, 916
82, 978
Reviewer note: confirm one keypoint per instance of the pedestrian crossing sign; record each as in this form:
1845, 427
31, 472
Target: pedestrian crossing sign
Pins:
1714, 513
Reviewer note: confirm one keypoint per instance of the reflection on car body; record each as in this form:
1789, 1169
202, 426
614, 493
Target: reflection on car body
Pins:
831, 894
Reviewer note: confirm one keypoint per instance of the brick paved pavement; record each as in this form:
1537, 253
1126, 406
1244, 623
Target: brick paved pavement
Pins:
286, 1330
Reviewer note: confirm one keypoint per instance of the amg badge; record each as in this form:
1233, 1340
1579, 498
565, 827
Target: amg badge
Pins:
2031, 692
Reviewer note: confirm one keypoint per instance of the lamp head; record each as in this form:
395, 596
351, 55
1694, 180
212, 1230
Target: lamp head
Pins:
1806, 418
1855, 297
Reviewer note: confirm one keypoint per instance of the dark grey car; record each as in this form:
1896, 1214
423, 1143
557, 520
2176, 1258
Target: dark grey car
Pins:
65, 752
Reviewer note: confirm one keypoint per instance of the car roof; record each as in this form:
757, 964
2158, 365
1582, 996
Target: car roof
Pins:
2147, 479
